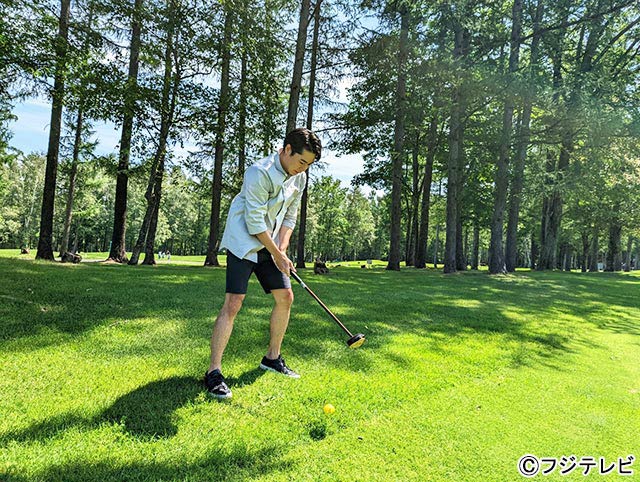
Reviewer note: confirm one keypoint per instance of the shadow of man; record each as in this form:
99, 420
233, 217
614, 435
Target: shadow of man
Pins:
148, 411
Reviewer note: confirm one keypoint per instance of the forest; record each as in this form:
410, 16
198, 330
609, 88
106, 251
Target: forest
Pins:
503, 134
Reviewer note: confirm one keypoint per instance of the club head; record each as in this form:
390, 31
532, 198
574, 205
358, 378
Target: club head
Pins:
356, 341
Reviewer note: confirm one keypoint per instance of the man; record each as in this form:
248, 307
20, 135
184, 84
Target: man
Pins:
259, 226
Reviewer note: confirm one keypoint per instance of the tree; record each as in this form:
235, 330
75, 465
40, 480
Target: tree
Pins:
296, 80
522, 143
81, 128
118, 242
45, 241
455, 154
432, 144
496, 250
170, 86
397, 155
223, 106
302, 227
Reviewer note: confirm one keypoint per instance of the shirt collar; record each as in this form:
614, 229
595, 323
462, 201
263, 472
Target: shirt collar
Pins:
279, 167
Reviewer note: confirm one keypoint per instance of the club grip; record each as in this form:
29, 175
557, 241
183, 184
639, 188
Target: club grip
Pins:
297, 278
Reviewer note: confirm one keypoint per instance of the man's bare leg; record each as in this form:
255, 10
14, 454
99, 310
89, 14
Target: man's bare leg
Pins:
279, 320
223, 327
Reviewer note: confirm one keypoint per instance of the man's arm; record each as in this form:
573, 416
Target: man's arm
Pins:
284, 236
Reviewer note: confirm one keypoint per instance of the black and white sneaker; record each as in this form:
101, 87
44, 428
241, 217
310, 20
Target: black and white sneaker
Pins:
217, 388
278, 365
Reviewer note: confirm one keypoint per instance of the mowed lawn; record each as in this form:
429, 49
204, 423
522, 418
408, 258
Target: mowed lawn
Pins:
461, 375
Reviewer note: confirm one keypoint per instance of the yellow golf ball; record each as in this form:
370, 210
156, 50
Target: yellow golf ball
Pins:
329, 409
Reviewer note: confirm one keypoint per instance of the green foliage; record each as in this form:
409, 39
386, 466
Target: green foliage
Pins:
359, 236
326, 219
20, 199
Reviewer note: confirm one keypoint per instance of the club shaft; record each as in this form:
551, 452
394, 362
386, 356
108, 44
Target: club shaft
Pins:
315, 297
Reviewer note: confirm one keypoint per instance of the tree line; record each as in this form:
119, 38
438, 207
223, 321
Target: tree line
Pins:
528, 110
503, 133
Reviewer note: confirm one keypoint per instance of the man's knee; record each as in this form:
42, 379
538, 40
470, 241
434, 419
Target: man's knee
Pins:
233, 303
283, 297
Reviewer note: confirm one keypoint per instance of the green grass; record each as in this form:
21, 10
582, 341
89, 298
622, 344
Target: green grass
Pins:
461, 375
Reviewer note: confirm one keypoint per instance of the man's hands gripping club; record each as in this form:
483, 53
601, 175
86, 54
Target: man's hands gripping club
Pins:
280, 258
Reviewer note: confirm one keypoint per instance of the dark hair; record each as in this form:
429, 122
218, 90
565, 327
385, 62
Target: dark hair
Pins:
303, 139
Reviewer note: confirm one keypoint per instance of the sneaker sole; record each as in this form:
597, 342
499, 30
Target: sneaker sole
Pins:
269, 369
220, 397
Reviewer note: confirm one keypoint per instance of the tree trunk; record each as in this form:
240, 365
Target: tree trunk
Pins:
548, 255
585, 251
627, 263
511, 248
45, 241
461, 261
216, 191
415, 202
146, 220
296, 81
242, 119
149, 255
118, 250
501, 179
302, 230
77, 143
568, 252
534, 250
614, 260
455, 149
170, 88
397, 155
593, 262
476, 244
421, 249
436, 247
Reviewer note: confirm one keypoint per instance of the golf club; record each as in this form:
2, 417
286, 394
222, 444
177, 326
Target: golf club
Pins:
354, 341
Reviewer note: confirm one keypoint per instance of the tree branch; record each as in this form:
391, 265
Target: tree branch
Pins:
616, 38
578, 21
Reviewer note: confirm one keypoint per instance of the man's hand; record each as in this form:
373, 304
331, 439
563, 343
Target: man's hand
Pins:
283, 263
279, 256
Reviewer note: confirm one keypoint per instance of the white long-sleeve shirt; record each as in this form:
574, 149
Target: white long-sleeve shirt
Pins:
269, 199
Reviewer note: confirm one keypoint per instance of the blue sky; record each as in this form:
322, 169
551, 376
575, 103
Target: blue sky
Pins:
31, 133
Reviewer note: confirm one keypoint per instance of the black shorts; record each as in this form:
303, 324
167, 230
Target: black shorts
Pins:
239, 271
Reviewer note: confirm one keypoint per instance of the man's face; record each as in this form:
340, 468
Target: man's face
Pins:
296, 163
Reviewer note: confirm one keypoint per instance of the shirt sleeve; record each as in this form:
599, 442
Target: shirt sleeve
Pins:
257, 186
291, 216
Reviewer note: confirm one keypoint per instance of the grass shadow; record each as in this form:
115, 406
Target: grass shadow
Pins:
145, 413
240, 463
